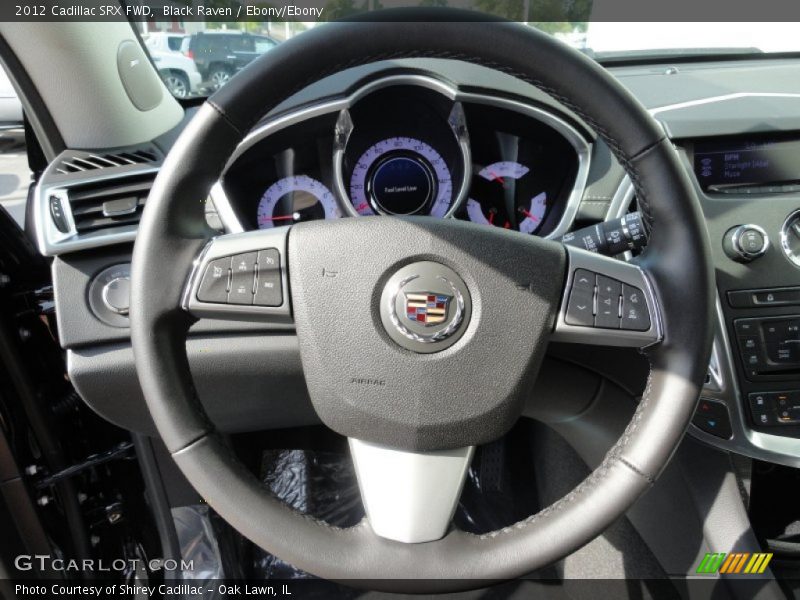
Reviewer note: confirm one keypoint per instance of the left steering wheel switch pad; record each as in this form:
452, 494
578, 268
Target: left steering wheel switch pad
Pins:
241, 276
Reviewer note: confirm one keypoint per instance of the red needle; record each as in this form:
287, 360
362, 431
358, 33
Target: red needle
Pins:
362, 206
497, 177
282, 218
507, 225
528, 214
491, 217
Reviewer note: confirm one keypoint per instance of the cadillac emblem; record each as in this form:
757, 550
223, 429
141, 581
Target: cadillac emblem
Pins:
427, 308
424, 307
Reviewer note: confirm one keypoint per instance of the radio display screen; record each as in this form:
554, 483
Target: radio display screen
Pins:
728, 164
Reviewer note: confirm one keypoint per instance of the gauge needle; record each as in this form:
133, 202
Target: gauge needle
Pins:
291, 217
497, 177
528, 214
491, 217
362, 206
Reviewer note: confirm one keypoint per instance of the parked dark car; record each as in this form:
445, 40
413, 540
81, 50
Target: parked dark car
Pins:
219, 55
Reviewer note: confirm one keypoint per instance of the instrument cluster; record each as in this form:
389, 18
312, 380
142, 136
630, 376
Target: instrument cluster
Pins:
407, 149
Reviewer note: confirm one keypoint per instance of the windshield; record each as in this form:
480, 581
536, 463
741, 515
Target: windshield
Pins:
195, 58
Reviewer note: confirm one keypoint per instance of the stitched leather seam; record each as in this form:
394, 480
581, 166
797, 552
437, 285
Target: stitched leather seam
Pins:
636, 470
221, 112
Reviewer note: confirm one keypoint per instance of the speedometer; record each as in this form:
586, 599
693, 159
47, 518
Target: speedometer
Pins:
293, 199
401, 176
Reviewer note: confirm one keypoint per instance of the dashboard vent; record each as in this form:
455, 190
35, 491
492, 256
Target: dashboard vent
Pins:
80, 162
108, 204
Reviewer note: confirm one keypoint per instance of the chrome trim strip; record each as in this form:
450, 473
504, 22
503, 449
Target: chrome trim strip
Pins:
622, 199
787, 251
576, 140
224, 209
49, 239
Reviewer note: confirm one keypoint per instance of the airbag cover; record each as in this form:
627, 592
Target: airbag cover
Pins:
366, 385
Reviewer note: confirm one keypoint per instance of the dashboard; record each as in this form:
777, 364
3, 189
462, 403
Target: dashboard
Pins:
410, 145
449, 140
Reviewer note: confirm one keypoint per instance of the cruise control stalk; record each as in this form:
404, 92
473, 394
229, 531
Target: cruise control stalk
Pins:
610, 237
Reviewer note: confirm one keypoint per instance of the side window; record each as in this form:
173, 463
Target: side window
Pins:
263, 44
241, 44
174, 43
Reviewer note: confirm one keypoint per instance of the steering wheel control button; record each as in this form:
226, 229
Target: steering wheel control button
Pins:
580, 308
268, 279
605, 303
635, 315
109, 295
745, 243
215, 282
608, 303
243, 276
713, 417
117, 295
425, 307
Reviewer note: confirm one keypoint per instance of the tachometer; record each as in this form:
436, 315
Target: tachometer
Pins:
293, 199
501, 196
401, 176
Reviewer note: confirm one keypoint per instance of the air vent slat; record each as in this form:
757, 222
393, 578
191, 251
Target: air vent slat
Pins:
109, 204
78, 161
90, 194
93, 224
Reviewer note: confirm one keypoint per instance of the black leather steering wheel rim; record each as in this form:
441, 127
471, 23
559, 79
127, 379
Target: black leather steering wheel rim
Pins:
173, 231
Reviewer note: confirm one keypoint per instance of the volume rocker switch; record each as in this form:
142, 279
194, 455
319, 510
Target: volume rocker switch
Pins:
243, 275
581, 299
608, 304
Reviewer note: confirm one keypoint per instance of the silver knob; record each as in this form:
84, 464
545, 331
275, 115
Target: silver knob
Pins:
746, 242
116, 295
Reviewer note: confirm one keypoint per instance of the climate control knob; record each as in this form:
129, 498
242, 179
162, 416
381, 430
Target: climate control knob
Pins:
745, 243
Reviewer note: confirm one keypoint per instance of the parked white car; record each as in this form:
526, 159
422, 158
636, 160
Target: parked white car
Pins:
178, 72
163, 41
10, 106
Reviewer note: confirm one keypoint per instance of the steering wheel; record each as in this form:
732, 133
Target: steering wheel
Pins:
399, 320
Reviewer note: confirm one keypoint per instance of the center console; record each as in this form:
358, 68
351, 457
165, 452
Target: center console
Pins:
749, 190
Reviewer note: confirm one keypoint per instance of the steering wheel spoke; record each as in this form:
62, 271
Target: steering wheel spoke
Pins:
409, 496
606, 302
241, 276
